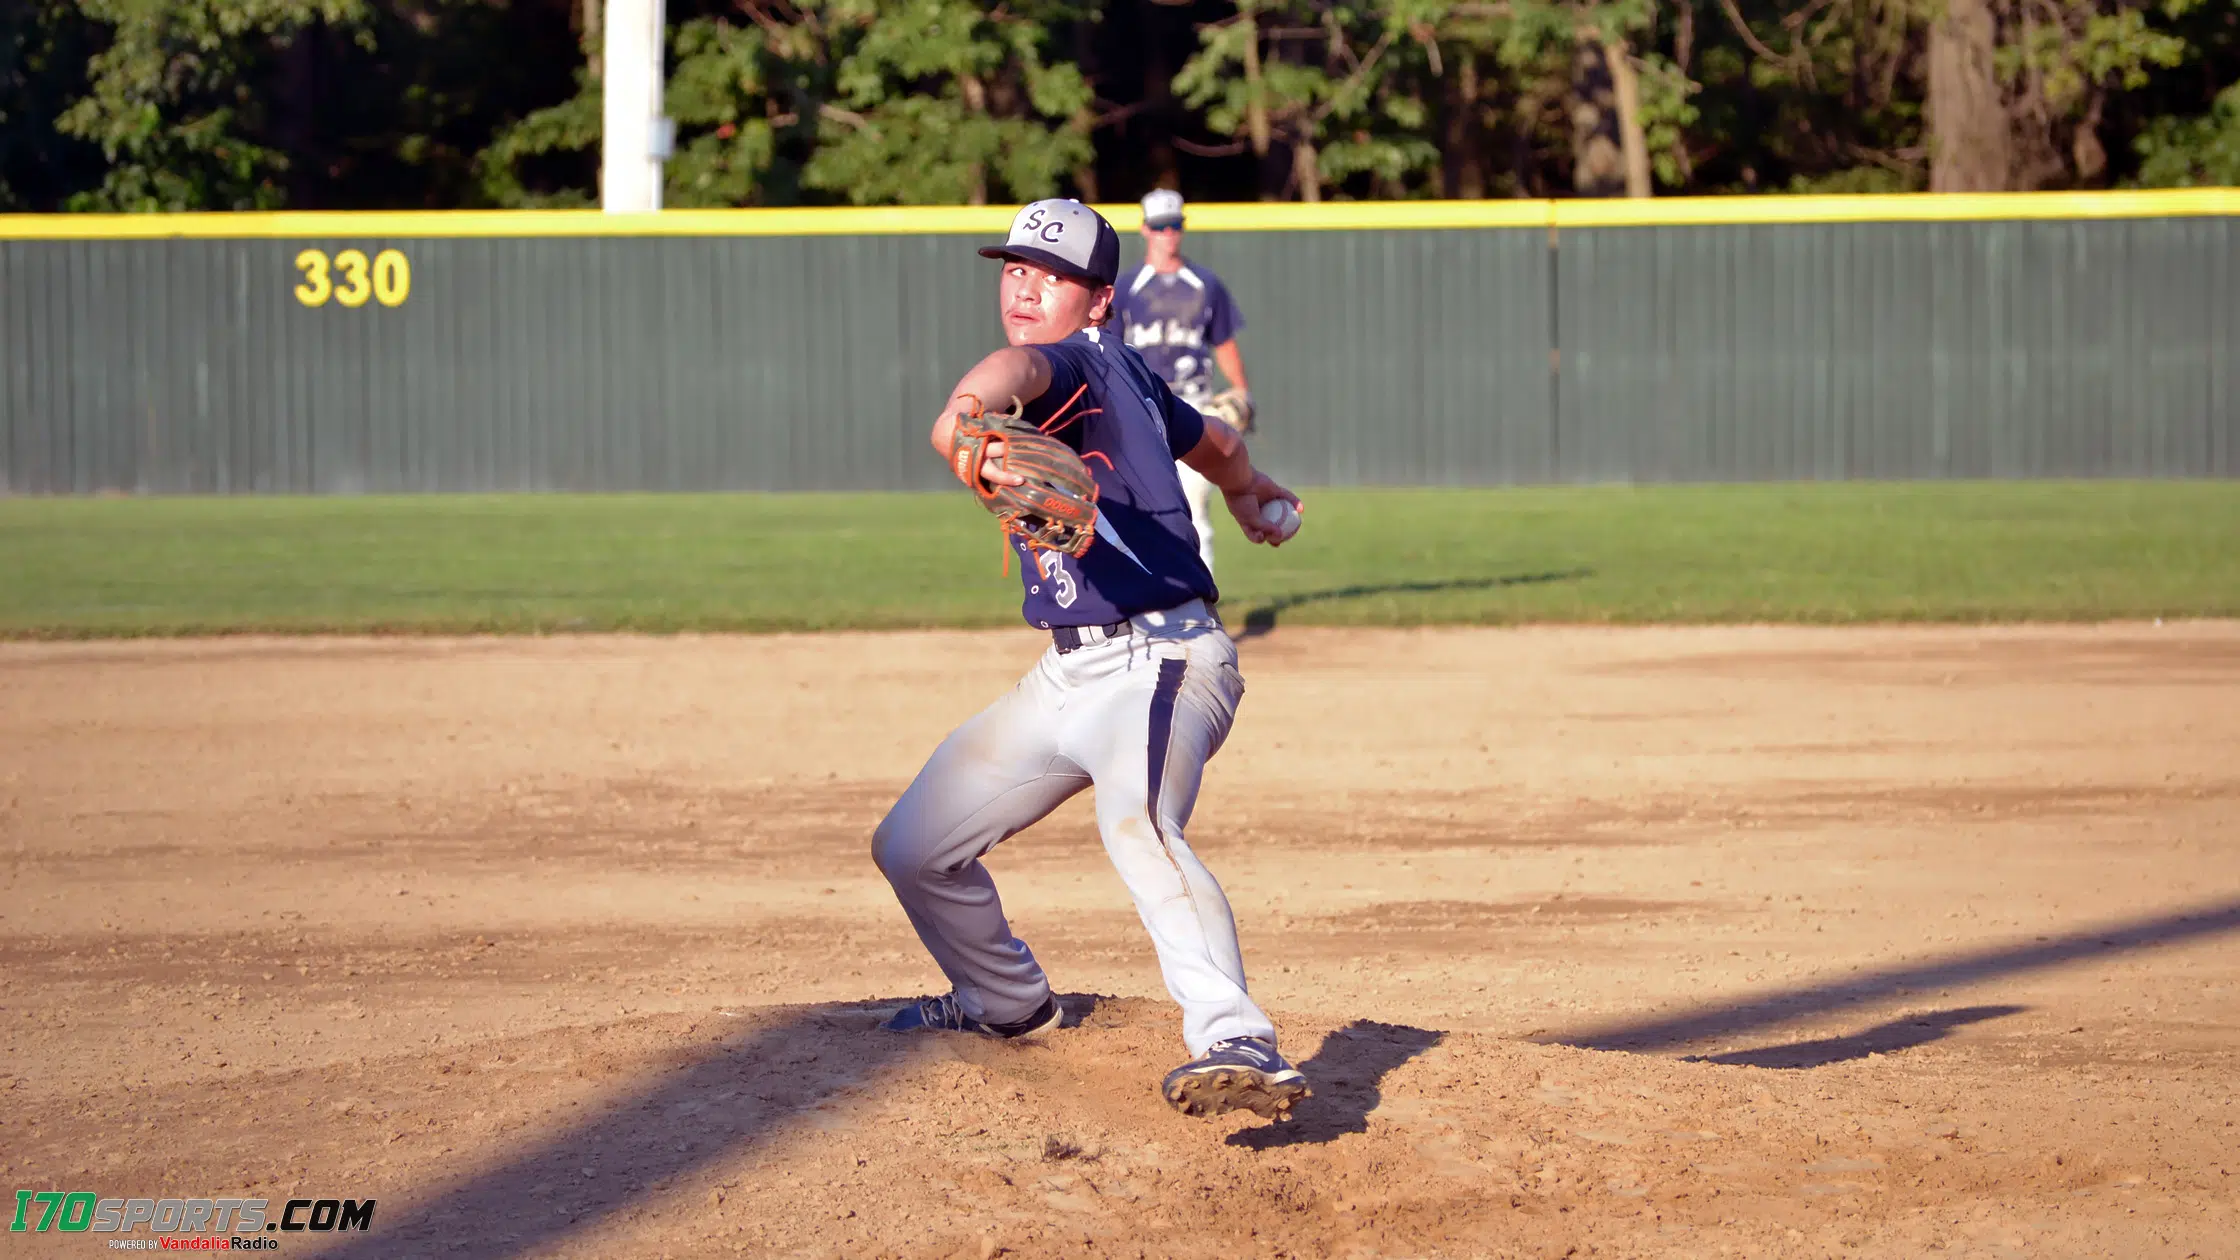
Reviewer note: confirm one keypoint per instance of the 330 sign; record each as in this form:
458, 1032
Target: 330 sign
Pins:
351, 278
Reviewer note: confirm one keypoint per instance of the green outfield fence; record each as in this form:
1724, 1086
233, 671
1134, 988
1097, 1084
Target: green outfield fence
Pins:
1417, 343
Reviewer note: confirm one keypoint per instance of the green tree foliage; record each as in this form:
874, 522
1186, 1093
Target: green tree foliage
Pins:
1834, 95
2194, 152
1433, 97
2060, 60
1318, 80
1850, 85
180, 101
44, 48
737, 95
254, 104
734, 82
2186, 142
402, 119
222, 104
548, 160
949, 101
918, 102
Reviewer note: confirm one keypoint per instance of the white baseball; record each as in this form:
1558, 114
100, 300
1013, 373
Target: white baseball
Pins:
1281, 517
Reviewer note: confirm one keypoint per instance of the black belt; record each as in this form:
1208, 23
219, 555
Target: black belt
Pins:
1068, 638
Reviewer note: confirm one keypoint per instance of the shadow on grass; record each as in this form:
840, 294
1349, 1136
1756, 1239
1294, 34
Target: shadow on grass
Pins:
1345, 1073
1262, 619
1888, 1038
1770, 1010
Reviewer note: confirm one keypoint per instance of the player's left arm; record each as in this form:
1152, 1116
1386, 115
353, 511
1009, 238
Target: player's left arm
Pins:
1231, 360
1012, 372
1222, 458
1224, 323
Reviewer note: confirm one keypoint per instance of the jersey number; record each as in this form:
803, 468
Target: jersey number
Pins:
1053, 567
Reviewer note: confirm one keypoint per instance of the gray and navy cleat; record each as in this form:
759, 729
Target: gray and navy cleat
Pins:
945, 1013
1240, 1072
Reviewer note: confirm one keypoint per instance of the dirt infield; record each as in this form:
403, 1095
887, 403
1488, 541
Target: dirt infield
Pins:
1765, 942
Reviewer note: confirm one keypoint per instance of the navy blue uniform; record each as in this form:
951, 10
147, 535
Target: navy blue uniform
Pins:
1175, 321
1130, 428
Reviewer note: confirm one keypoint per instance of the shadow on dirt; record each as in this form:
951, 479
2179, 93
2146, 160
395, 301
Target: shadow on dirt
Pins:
670, 1127
1345, 1074
715, 1107
1720, 1022
1889, 1038
1262, 619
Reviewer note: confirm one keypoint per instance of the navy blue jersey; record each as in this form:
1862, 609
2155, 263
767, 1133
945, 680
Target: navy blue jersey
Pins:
1175, 321
1130, 428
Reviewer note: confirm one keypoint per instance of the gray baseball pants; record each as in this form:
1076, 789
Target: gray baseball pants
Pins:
1137, 717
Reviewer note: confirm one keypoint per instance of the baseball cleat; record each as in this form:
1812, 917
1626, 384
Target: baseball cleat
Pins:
946, 1014
1241, 1072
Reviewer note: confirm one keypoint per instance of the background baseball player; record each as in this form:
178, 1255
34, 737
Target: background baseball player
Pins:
1179, 316
1136, 692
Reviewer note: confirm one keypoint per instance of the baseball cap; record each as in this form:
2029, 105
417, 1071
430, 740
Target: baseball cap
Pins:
1163, 208
1064, 236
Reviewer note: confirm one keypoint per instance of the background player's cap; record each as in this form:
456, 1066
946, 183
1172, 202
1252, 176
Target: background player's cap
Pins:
1066, 237
1163, 208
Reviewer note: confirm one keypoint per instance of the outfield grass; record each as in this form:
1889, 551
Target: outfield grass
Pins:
1807, 553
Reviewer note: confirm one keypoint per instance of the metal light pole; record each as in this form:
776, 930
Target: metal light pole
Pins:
636, 137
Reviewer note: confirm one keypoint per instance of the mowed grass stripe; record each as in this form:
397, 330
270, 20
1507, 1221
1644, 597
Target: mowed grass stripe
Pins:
1838, 552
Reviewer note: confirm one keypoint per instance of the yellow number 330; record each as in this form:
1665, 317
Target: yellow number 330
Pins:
387, 279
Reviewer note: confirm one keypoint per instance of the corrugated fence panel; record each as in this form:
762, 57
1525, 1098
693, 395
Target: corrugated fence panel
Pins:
1390, 356
2221, 274
2042, 348
760, 363
1394, 357
1741, 353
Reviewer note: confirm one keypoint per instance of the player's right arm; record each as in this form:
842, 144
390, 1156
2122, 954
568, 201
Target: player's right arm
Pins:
1221, 457
1012, 372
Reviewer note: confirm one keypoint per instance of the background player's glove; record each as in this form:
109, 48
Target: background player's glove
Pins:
1232, 407
1055, 506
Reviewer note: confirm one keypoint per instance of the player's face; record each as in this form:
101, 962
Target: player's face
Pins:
1160, 245
1040, 307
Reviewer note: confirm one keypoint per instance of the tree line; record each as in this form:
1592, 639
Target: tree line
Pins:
167, 105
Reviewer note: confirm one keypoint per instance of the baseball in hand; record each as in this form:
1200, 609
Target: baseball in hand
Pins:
1280, 517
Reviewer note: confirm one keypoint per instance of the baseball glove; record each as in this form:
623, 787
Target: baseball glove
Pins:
1056, 508
1232, 407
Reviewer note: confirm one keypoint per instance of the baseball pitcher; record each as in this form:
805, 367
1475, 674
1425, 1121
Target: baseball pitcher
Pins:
1179, 316
1073, 441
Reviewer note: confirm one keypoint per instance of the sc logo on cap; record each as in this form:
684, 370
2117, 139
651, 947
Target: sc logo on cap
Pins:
1049, 231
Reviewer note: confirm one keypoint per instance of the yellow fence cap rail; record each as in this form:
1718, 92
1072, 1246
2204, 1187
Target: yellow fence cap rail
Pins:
993, 221
331, 224
1896, 208
1336, 216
